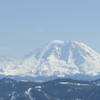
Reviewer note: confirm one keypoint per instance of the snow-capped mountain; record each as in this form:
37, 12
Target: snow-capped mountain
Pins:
56, 59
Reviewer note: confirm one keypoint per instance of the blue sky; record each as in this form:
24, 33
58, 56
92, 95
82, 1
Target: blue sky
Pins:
27, 24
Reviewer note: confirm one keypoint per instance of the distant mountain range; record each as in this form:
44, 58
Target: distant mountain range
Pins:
59, 89
57, 70
55, 59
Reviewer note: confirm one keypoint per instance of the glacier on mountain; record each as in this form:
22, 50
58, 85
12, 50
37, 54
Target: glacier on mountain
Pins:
56, 59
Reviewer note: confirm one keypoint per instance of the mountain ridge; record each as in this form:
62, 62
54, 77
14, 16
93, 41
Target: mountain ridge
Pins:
59, 89
56, 59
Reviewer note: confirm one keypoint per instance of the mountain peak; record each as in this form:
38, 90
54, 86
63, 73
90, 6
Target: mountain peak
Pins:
61, 49
57, 42
70, 43
57, 59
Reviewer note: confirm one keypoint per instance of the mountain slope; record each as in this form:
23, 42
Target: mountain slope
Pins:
58, 59
60, 89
